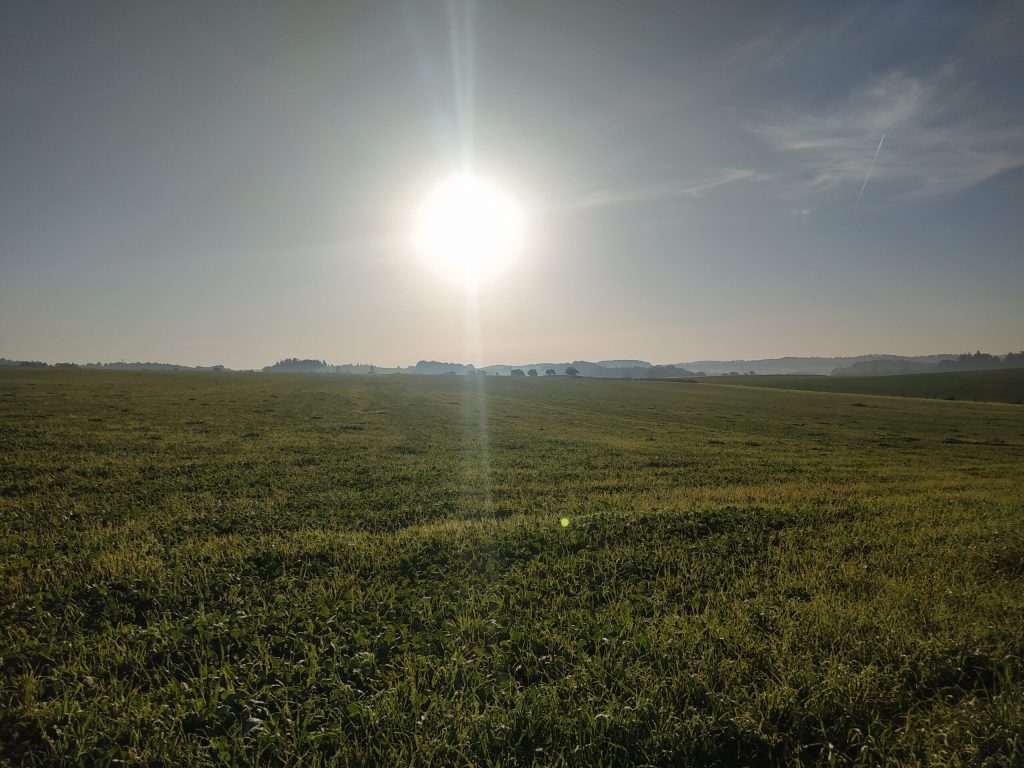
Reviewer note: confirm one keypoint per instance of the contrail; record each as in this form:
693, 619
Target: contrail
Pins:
868, 175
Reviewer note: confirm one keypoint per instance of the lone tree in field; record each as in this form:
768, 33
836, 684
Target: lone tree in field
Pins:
518, 372
549, 372
532, 372
570, 371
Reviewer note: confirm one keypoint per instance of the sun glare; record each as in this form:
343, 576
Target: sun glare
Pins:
468, 227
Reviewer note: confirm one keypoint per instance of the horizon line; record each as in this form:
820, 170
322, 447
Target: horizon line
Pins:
598, 361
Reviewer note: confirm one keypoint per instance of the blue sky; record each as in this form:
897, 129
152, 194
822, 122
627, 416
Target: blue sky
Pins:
234, 183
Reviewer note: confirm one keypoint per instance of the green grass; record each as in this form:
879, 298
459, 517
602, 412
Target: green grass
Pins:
1006, 386
201, 569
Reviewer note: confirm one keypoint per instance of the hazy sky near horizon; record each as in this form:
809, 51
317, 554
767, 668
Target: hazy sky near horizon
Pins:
234, 183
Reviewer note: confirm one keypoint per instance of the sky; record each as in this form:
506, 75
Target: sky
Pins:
235, 183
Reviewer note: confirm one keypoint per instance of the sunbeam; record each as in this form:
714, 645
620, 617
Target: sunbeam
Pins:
461, 28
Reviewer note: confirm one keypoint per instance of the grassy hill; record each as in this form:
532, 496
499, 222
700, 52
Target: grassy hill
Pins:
209, 569
1005, 386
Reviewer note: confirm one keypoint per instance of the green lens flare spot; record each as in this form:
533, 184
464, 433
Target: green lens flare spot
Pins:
564, 522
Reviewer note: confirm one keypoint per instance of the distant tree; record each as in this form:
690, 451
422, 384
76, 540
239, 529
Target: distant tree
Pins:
532, 372
518, 372
570, 371
549, 372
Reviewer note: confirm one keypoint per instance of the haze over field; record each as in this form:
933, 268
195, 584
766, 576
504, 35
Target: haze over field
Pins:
194, 184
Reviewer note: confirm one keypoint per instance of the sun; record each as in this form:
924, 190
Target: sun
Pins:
468, 227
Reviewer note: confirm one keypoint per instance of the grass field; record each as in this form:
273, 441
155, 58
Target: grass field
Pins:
1006, 386
250, 569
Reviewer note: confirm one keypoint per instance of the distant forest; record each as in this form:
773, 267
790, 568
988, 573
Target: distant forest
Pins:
977, 361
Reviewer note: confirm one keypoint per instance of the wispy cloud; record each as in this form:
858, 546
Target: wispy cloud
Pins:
693, 188
941, 137
791, 38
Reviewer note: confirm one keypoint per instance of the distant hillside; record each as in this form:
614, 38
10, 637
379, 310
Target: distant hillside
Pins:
862, 366
121, 366
884, 368
805, 365
624, 363
1002, 386
642, 370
